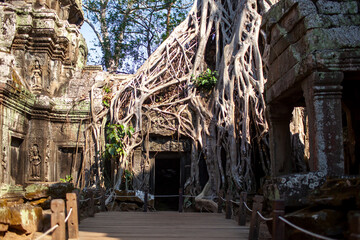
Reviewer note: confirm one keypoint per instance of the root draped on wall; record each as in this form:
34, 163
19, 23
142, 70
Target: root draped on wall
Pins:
226, 124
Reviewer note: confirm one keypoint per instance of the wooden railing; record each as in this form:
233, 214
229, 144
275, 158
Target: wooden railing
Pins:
278, 218
59, 221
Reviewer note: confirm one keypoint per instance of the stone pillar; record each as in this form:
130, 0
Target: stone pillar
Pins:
280, 146
322, 92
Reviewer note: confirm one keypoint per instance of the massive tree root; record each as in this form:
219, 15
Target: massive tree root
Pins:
227, 124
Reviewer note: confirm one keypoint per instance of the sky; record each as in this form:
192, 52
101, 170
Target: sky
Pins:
94, 56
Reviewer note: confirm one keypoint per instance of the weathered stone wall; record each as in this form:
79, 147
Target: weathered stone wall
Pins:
44, 90
312, 44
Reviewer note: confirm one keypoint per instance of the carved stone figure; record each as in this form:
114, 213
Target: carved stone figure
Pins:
35, 161
47, 157
36, 75
4, 165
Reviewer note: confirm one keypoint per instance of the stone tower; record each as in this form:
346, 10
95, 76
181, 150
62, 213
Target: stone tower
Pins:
44, 85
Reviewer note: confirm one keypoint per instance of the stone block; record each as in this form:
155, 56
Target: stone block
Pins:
327, 194
59, 190
296, 187
326, 222
128, 207
8, 23
25, 218
285, 62
36, 191
333, 38
286, 40
337, 7
12, 193
6, 60
128, 196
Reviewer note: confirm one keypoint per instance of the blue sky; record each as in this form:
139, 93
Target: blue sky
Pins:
94, 57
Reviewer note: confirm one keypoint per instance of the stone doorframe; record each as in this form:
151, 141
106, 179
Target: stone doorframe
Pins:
311, 45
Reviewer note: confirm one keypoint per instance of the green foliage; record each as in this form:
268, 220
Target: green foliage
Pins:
106, 101
107, 89
107, 97
67, 179
128, 175
115, 134
128, 31
206, 80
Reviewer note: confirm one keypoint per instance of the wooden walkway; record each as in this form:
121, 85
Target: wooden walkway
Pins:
160, 225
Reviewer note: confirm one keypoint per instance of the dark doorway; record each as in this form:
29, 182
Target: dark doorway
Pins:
69, 161
167, 181
351, 122
17, 161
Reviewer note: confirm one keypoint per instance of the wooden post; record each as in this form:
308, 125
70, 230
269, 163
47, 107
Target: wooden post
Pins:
181, 200
220, 201
354, 225
73, 223
102, 200
254, 222
58, 218
242, 209
91, 203
77, 192
146, 200
278, 228
228, 206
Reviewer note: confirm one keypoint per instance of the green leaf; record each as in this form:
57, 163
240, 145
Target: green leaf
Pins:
112, 151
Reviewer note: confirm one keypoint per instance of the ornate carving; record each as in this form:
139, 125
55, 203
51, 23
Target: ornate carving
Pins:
35, 162
4, 165
36, 75
47, 157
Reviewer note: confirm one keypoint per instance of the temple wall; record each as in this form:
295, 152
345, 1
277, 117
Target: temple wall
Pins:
44, 90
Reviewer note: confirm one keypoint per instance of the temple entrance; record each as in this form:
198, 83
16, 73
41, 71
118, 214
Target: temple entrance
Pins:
167, 181
351, 122
17, 161
69, 162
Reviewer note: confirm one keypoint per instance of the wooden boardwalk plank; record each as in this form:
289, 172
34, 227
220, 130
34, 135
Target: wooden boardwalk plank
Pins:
160, 225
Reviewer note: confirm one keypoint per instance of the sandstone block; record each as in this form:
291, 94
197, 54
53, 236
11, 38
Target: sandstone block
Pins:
36, 191
59, 190
25, 218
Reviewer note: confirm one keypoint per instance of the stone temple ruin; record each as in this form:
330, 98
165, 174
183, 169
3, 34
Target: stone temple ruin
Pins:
45, 107
43, 84
314, 63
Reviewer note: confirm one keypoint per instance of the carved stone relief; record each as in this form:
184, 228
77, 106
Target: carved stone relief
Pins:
7, 21
36, 76
4, 165
47, 158
35, 163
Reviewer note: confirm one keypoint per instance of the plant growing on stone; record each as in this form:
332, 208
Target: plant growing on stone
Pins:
206, 80
106, 99
107, 88
67, 179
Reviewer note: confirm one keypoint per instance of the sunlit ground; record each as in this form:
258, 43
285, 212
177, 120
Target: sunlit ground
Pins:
160, 225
